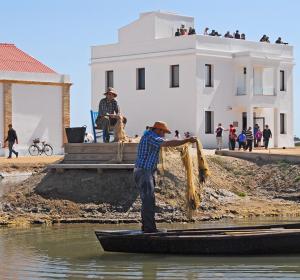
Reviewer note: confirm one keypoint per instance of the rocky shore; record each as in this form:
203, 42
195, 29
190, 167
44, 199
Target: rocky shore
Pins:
236, 189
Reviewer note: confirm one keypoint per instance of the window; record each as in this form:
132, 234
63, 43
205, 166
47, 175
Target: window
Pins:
208, 75
282, 123
174, 76
209, 122
140, 78
282, 80
109, 79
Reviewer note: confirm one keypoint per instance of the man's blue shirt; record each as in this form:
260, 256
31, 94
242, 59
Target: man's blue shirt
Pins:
148, 150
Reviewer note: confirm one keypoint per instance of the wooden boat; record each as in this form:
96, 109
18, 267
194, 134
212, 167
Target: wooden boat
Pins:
248, 240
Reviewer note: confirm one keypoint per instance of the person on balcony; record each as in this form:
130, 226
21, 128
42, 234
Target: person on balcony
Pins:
205, 32
243, 36
228, 35
177, 33
192, 31
109, 113
237, 35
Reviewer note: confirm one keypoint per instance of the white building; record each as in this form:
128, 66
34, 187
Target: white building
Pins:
194, 82
33, 98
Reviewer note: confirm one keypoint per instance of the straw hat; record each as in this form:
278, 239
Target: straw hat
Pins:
162, 126
111, 90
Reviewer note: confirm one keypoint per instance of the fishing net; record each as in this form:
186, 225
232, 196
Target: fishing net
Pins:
192, 196
193, 178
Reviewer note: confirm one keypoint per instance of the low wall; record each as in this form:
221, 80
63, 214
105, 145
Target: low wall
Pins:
253, 156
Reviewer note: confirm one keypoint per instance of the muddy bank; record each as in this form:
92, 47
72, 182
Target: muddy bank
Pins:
236, 189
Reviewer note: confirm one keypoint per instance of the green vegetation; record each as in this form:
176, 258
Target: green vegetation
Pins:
241, 194
297, 179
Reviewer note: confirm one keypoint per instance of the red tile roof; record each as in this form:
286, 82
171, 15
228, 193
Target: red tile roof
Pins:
13, 59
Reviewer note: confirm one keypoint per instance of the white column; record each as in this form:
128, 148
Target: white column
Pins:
275, 79
276, 130
249, 116
249, 80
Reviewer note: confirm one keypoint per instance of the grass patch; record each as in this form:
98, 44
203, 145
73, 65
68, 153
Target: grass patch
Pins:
297, 144
283, 164
241, 194
297, 179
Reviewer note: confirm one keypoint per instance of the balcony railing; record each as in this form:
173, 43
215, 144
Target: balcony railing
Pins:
264, 91
241, 91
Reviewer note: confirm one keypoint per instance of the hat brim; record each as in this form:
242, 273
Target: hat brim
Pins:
165, 130
115, 94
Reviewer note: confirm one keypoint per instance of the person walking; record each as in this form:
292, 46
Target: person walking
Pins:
258, 136
242, 140
219, 133
231, 128
232, 139
145, 168
267, 134
249, 138
256, 127
11, 138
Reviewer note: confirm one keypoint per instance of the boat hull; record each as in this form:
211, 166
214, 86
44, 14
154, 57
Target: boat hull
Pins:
231, 241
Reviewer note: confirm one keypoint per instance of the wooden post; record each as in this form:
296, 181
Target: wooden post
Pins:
7, 104
65, 110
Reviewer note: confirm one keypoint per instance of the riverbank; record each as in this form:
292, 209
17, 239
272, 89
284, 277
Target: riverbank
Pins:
237, 189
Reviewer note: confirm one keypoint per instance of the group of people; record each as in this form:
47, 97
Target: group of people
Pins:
235, 35
266, 39
184, 31
246, 139
238, 35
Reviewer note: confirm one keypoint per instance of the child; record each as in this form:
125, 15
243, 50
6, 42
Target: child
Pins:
242, 140
258, 137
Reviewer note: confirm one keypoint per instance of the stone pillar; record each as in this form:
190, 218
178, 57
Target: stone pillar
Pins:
7, 107
276, 128
65, 110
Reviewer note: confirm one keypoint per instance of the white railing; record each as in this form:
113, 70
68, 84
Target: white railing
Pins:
265, 91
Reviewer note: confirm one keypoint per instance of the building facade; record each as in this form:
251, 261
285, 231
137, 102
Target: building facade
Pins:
194, 82
34, 99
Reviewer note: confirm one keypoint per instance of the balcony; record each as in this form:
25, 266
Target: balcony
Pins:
269, 91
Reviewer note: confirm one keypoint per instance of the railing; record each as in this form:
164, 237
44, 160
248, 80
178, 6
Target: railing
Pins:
241, 91
264, 91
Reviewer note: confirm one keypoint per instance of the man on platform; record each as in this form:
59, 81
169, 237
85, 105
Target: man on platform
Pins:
146, 165
108, 114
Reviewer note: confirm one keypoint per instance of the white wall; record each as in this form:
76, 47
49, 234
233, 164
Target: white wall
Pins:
158, 101
1, 118
219, 98
37, 112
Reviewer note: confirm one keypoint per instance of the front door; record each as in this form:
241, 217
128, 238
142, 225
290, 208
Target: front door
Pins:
260, 121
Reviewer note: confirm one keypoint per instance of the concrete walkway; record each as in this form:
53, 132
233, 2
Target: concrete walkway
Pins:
291, 154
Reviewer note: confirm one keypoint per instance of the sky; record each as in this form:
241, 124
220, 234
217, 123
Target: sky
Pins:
59, 33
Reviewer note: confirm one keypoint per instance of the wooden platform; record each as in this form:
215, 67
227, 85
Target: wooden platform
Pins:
100, 153
97, 156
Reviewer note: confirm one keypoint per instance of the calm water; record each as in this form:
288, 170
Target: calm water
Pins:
72, 252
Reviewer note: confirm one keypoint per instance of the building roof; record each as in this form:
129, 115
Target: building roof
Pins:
14, 59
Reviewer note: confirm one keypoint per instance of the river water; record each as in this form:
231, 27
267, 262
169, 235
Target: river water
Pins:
73, 252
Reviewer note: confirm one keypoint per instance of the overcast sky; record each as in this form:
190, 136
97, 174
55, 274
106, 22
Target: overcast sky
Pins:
60, 32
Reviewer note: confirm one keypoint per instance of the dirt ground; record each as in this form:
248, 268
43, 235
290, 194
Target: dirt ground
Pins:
236, 189
26, 164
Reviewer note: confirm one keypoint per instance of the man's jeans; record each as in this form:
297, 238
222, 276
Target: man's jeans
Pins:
145, 182
11, 150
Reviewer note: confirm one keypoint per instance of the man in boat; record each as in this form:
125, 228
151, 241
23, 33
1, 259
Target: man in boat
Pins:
146, 165
109, 114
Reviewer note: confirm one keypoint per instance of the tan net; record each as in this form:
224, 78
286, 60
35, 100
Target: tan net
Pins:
192, 192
